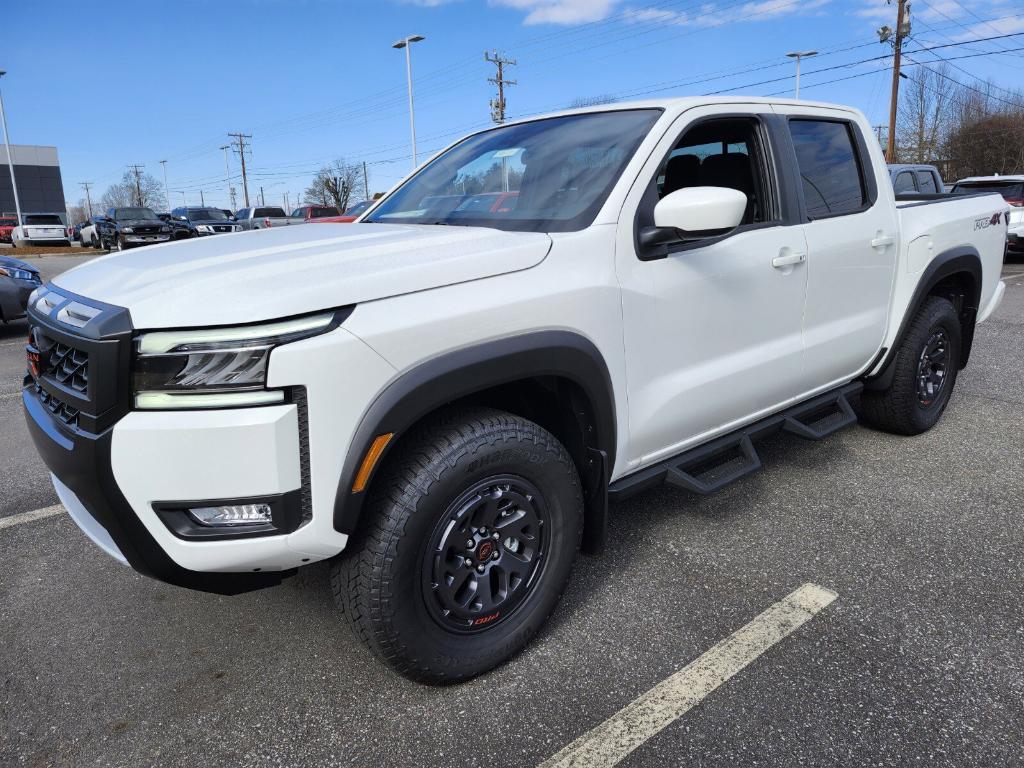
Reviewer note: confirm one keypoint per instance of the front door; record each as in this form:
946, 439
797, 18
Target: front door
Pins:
713, 329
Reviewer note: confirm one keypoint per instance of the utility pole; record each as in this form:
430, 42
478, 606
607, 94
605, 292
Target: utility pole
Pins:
366, 184
238, 140
884, 35
137, 170
88, 199
202, 200
263, 200
167, 192
498, 105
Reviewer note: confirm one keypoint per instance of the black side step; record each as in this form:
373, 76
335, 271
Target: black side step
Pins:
712, 466
813, 420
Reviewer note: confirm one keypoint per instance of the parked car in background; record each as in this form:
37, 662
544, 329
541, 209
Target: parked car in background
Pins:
490, 202
180, 230
7, 225
352, 213
227, 213
312, 212
124, 228
206, 221
909, 179
90, 233
1012, 190
17, 281
75, 233
40, 229
263, 217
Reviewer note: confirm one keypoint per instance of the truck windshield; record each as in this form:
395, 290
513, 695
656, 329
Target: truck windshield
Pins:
561, 168
127, 214
1012, 191
206, 214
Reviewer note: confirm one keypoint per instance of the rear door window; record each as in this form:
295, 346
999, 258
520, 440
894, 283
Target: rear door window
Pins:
928, 183
829, 167
270, 213
905, 182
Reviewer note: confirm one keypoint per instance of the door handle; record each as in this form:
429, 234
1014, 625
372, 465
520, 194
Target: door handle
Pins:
788, 259
883, 241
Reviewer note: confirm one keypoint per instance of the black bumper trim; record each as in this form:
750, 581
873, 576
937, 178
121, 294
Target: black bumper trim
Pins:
81, 461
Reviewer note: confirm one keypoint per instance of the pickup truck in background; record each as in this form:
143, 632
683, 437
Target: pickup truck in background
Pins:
124, 228
441, 399
1012, 190
40, 229
263, 217
909, 179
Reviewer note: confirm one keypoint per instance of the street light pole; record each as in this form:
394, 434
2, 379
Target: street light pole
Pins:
799, 55
10, 158
227, 175
167, 192
407, 44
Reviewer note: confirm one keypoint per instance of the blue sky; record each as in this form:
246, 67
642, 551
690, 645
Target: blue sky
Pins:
313, 80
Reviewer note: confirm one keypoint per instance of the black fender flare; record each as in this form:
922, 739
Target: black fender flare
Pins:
462, 372
960, 260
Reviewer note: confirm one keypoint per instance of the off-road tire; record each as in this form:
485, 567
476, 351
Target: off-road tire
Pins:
899, 409
379, 579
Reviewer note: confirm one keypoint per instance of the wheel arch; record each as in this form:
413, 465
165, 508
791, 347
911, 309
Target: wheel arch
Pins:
557, 378
955, 274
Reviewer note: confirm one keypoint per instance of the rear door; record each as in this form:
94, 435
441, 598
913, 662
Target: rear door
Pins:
852, 242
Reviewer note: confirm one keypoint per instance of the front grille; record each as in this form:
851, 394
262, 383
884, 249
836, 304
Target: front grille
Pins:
68, 366
146, 230
58, 408
221, 228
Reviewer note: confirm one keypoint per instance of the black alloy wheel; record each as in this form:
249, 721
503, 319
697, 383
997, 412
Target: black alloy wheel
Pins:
485, 554
932, 367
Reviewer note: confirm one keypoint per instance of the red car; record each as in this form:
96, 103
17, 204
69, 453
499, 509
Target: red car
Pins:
7, 225
315, 212
350, 215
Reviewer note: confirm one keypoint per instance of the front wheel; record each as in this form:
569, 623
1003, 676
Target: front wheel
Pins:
926, 364
472, 536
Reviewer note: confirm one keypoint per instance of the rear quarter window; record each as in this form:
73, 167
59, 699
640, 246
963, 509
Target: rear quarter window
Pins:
829, 167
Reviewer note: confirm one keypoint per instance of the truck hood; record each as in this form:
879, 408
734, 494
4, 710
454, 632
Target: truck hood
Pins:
271, 273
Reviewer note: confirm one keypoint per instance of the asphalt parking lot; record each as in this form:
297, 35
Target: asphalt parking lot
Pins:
917, 660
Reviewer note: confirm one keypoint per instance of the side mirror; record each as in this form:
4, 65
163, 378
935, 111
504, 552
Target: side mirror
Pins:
701, 210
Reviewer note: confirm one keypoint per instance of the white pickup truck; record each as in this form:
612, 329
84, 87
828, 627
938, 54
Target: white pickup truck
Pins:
441, 400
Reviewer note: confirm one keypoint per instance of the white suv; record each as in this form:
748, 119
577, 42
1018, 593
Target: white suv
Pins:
442, 398
1012, 190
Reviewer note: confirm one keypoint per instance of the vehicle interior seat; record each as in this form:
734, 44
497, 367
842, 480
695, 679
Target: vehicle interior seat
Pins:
681, 171
732, 171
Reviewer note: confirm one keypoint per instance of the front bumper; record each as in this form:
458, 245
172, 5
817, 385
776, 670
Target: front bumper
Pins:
118, 470
146, 239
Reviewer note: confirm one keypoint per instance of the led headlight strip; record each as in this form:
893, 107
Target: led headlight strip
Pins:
215, 367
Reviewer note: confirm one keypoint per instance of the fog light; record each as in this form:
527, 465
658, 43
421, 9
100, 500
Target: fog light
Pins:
241, 514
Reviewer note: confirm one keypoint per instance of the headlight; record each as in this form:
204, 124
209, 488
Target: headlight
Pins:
19, 274
165, 230
215, 368
127, 230
204, 228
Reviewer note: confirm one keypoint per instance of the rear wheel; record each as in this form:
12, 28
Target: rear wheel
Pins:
471, 538
926, 365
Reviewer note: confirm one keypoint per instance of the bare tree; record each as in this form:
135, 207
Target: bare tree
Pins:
335, 184
125, 193
987, 132
924, 115
77, 213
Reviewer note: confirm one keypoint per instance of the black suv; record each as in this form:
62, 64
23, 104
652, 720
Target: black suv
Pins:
206, 221
124, 228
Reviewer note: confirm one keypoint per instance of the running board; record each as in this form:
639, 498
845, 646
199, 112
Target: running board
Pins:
710, 467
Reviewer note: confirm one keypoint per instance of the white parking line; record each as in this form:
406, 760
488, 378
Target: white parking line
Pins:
649, 713
28, 517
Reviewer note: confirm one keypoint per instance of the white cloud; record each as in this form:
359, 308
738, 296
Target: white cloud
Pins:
710, 15
565, 12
